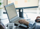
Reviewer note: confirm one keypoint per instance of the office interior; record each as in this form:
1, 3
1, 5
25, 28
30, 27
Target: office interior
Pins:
28, 14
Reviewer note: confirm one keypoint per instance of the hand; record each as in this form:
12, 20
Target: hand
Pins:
23, 21
37, 18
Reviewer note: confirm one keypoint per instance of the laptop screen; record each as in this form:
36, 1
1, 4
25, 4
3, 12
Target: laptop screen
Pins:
11, 11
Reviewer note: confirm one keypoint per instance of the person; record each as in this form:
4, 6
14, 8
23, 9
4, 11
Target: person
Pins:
23, 21
2, 25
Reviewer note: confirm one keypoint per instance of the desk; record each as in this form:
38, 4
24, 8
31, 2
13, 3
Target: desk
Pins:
6, 21
37, 26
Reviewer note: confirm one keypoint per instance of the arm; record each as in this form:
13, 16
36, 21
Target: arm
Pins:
23, 21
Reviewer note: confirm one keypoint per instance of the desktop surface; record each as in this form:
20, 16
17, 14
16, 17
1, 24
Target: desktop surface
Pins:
37, 25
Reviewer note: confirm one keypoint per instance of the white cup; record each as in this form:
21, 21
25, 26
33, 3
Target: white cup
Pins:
10, 25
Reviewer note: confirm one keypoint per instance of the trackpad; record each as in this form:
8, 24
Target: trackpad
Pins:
16, 21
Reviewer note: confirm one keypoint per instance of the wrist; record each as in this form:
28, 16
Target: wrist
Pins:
27, 23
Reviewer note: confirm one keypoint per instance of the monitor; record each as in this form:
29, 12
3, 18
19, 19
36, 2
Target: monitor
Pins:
11, 10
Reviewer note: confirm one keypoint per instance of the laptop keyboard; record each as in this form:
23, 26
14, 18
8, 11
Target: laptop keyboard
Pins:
16, 21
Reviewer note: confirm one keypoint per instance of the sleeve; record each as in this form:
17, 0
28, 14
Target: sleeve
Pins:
32, 25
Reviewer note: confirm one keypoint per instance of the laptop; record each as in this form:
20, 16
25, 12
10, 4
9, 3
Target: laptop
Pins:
11, 13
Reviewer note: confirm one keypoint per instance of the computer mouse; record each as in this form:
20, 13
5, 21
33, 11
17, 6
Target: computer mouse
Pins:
37, 20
